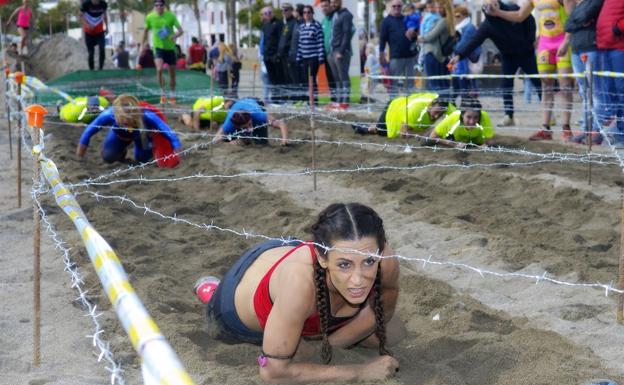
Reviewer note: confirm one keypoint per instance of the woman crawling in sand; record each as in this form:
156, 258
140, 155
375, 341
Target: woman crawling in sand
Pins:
334, 289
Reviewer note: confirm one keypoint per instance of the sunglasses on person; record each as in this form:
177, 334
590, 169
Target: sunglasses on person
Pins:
397, 6
306, 12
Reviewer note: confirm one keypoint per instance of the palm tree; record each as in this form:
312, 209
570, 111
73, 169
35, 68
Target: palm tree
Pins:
230, 16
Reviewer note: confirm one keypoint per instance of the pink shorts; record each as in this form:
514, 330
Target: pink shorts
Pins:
547, 59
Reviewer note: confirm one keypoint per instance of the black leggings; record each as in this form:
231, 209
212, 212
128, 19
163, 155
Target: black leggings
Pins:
382, 129
92, 41
510, 65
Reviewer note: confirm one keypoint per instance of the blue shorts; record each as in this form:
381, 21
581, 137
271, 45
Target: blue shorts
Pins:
223, 321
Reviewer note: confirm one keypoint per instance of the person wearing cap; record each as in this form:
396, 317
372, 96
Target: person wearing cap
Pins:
247, 121
162, 23
207, 112
416, 118
130, 123
83, 109
468, 126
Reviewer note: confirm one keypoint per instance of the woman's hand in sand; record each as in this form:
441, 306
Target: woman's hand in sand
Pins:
379, 368
81, 150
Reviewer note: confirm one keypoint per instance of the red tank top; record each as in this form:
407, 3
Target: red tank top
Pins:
311, 326
262, 297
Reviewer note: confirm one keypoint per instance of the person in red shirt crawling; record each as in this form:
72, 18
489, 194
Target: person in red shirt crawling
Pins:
196, 56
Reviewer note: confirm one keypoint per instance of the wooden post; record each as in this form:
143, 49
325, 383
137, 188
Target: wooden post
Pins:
312, 107
35, 115
8, 109
36, 262
589, 86
18, 78
619, 311
253, 82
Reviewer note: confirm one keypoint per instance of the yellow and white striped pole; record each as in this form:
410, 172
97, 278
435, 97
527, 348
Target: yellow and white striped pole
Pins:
158, 358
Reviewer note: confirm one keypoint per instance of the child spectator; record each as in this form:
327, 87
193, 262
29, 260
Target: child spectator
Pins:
412, 24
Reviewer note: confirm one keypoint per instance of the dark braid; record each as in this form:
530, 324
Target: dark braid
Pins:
380, 317
322, 305
350, 221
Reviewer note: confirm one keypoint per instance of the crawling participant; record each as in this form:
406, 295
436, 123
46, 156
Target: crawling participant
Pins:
130, 122
207, 113
279, 295
470, 125
423, 110
248, 121
83, 109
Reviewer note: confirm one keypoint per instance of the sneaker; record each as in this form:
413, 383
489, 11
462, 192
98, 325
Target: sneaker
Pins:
567, 132
163, 99
507, 121
332, 106
172, 101
541, 135
205, 287
343, 106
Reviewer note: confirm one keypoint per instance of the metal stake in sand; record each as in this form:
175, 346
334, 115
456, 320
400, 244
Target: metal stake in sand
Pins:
311, 93
35, 114
7, 71
19, 79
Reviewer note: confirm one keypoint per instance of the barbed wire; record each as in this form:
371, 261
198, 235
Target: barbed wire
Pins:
608, 288
77, 282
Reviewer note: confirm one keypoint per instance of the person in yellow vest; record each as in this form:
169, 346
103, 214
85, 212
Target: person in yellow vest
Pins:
208, 113
83, 109
414, 115
470, 125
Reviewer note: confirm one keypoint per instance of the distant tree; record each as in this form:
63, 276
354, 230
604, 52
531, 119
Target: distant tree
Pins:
256, 22
57, 19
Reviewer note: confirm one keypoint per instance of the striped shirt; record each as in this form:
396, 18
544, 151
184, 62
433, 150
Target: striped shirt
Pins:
310, 42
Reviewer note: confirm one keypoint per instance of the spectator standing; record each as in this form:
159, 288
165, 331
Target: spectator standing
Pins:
326, 23
300, 78
434, 59
610, 41
515, 41
272, 30
264, 75
429, 18
121, 58
399, 38
581, 39
310, 52
165, 29
94, 20
235, 74
464, 86
340, 55
180, 58
283, 48
196, 55
146, 57
551, 17
223, 67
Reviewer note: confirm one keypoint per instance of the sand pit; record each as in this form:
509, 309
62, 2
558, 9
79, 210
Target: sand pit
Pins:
532, 218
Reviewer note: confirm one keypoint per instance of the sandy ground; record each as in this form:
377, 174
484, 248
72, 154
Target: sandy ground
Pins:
461, 328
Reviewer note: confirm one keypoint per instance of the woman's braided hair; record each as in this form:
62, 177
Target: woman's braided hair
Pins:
347, 221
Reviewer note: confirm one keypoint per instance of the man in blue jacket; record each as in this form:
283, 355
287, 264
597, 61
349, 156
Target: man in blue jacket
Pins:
516, 43
402, 60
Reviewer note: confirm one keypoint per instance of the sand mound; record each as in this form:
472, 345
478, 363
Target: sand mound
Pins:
54, 57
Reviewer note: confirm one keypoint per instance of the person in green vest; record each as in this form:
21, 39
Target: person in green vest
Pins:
207, 113
468, 126
83, 109
165, 29
414, 115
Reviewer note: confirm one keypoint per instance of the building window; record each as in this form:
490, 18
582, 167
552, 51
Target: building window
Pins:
222, 22
212, 17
